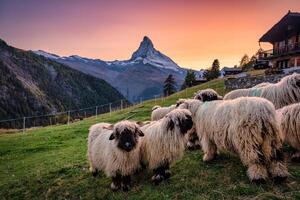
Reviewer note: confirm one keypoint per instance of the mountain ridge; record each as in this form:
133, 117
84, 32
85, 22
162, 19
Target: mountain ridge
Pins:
151, 65
32, 84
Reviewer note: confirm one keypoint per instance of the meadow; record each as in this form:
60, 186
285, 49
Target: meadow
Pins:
51, 163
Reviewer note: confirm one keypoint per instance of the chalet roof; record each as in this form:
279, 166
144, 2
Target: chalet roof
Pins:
280, 31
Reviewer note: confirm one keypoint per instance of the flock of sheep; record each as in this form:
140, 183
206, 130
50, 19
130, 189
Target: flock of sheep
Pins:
252, 123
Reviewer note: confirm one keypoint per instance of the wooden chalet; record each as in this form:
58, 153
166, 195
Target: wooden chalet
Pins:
285, 38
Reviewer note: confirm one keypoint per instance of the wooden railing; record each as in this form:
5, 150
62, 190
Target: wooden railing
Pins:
287, 49
280, 51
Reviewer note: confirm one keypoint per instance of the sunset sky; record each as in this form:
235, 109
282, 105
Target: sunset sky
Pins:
191, 32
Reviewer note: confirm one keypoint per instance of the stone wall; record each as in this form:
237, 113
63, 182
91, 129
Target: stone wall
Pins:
250, 81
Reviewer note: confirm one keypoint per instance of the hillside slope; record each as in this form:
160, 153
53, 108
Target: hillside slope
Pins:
51, 163
31, 84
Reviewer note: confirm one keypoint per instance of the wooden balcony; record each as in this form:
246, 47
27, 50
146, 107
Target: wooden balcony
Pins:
281, 51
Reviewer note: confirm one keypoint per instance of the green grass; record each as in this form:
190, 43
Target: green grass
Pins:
51, 163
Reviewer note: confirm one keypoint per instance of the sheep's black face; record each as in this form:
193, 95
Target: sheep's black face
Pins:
127, 140
185, 124
209, 97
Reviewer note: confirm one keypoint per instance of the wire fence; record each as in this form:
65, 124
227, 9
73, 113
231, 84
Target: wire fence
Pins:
65, 117
70, 116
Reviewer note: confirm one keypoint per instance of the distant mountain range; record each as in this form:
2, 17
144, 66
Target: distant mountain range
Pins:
141, 76
31, 84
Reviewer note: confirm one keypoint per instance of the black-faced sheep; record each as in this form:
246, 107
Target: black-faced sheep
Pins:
289, 120
283, 93
192, 138
246, 126
164, 142
207, 95
115, 150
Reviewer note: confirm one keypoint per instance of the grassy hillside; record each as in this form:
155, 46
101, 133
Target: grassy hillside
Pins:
51, 163
34, 85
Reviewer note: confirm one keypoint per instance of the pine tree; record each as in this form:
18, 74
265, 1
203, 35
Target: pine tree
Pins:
190, 79
214, 71
169, 85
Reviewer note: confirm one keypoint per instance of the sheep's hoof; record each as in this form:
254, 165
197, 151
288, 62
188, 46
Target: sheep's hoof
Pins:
95, 173
114, 187
167, 175
259, 181
279, 179
157, 179
125, 188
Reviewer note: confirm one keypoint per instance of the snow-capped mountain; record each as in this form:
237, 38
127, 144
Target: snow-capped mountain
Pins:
141, 76
47, 55
147, 54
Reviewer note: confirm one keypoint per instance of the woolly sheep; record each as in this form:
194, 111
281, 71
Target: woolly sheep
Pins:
283, 93
115, 150
262, 85
164, 142
246, 126
159, 112
207, 95
289, 120
192, 138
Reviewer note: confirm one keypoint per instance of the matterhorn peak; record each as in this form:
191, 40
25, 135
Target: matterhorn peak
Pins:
146, 47
147, 42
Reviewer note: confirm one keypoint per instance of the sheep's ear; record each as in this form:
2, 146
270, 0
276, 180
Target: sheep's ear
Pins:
198, 97
110, 127
140, 133
112, 136
180, 101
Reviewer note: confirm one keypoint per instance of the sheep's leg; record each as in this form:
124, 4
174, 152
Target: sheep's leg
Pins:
193, 141
116, 182
277, 168
126, 180
167, 174
253, 157
296, 156
257, 173
209, 149
93, 170
160, 174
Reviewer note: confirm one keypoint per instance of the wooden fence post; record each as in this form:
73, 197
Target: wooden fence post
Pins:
68, 117
24, 124
96, 111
